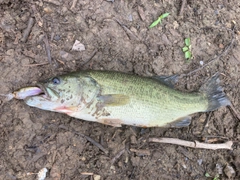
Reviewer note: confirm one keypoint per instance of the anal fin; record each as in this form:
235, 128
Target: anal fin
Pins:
181, 122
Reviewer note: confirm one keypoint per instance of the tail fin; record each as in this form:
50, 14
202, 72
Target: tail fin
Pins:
214, 92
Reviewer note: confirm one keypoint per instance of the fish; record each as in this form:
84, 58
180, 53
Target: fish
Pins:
23, 93
116, 98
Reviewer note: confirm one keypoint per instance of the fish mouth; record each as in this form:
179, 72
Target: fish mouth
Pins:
47, 93
44, 92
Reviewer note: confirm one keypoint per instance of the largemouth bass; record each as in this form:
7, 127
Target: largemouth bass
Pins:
116, 98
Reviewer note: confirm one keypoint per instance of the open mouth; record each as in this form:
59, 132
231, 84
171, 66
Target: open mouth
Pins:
44, 93
47, 93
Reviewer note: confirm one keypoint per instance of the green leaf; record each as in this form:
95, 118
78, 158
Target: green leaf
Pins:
184, 49
155, 23
188, 55
187, 42
216, 177
159, 20
164, 15
207, 175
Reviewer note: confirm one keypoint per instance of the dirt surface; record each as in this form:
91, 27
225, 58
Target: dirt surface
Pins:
116, 37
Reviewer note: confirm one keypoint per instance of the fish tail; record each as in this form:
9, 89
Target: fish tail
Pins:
214, 92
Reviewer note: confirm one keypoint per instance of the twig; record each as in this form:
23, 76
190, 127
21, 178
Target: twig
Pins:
232, 108
195, 144
47, 48
45, 39
94, 143
37, 16
56, 2
128, 31
74, 2
87, 173
88, 138
89, 59
141, 13
32, 65
118, 155
220, 55
182, 7
206, 122
28, 29
141, 152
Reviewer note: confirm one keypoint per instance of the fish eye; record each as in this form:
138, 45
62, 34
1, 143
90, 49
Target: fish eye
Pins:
56, 81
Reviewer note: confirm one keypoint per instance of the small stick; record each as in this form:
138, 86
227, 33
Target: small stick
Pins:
89, 59
89, 139
94, 143
118, 155
182, 7
206, 122
56, 2
28, 29
232, 108
128, 31
87, 173
33, 65
195, 144
47, 48
37, 16
144, 152
141, 13
74, 2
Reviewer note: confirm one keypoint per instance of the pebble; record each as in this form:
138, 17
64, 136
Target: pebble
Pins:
42, 174
199, 162
77, 46
96, 177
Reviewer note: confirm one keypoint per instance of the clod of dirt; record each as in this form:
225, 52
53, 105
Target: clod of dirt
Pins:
229, 171
7, 23
66, 56
219, 168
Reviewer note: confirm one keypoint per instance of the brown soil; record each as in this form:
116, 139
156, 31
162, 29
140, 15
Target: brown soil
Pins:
116, 37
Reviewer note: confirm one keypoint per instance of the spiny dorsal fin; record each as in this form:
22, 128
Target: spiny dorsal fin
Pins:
114, 99
169, 81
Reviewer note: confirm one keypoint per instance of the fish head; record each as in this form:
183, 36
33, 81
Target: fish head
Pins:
66, 94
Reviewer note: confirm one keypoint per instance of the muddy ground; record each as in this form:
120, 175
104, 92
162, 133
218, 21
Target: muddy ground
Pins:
116, 36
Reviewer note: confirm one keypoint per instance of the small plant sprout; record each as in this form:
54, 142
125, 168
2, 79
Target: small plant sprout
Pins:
187, 49
214, 178
207, 175
159, 20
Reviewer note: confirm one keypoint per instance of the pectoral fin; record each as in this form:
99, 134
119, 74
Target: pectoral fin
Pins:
181, 122
114, 99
